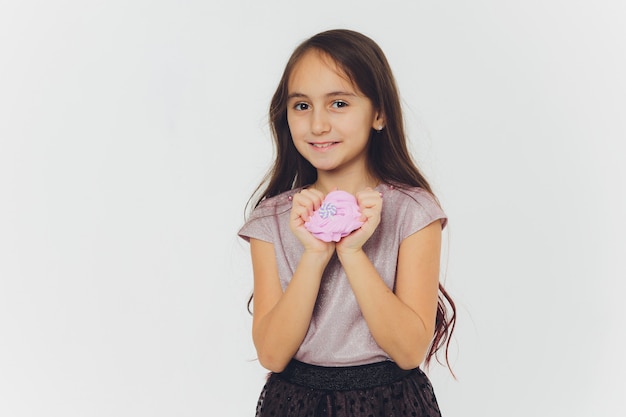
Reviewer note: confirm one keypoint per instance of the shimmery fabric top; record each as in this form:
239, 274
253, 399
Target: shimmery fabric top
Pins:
338, 334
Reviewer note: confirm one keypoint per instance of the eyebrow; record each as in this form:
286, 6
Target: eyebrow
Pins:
333, 94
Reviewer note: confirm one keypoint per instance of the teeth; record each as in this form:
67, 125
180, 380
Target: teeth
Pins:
322, 145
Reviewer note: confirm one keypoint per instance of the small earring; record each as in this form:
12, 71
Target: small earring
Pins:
380, 128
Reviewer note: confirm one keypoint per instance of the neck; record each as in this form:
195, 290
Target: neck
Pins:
327, 182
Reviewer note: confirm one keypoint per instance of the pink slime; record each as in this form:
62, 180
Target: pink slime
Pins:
337, 217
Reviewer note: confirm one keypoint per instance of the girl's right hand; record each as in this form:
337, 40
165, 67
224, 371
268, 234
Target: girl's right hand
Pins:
304, 203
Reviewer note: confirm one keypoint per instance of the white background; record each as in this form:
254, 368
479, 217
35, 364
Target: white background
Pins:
133, 132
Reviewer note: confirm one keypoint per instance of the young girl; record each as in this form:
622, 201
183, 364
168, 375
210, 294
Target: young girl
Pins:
344, 324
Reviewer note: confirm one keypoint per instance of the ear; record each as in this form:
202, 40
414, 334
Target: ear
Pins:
379, 122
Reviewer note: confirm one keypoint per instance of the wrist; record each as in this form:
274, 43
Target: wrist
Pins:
321, 256
349, 253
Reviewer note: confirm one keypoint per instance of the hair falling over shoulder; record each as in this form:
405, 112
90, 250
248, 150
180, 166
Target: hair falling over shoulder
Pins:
389, 159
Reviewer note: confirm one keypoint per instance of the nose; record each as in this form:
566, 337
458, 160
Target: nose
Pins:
320, 123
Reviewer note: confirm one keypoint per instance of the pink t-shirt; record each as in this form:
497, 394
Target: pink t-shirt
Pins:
338, 334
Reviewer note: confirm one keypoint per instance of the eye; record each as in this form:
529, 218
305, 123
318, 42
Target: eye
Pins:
339, 104
301, 106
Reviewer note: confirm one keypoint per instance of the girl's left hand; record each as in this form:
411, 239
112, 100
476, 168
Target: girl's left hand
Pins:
370, 203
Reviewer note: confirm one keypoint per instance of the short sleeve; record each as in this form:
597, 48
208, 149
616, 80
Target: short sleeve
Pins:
257, 226
264, 221
255, 229
419, 209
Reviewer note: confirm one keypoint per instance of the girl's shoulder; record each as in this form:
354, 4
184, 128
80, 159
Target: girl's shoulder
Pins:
400, 193
263, 222
411, 204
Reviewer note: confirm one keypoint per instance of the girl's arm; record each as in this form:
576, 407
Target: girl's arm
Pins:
402, 323
281, 320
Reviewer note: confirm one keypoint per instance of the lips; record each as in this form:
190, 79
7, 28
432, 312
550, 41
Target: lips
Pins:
323, 145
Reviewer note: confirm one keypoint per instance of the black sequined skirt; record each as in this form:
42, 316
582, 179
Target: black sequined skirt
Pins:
376, 390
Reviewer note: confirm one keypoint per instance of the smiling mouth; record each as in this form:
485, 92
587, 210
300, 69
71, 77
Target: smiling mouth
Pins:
323, 145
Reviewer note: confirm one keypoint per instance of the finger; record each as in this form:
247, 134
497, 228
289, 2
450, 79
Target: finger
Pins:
367, 193
316, 196
298, 219
311, 198
303, 201
369, 212
370, 200
300, 212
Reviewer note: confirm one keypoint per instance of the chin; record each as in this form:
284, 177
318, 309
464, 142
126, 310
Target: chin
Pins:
325, 168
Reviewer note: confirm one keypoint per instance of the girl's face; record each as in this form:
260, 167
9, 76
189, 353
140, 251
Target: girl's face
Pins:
329, 118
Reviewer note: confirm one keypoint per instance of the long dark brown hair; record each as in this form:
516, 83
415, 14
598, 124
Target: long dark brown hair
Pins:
389, 159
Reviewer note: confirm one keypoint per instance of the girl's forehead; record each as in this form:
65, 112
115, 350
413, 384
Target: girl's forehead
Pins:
317, 68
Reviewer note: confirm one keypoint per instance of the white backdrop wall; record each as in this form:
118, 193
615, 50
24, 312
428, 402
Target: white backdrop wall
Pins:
133, 132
